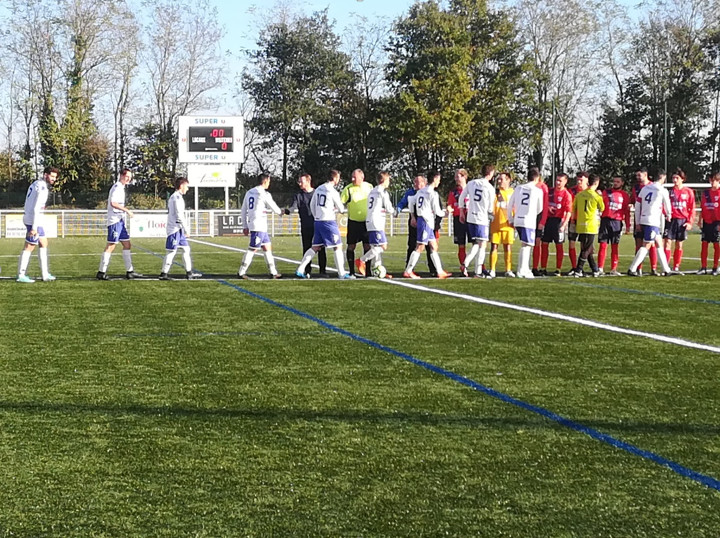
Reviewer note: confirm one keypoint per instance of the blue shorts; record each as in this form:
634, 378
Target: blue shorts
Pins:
176, 240
478, 231
425, 232
34, 240
377, 238
527, 235
258, 239
327, 234
650, 233
117, 232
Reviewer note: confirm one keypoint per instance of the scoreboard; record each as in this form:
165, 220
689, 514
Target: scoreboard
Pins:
210, 139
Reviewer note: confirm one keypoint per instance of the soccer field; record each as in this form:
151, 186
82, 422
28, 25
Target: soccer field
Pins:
462, 407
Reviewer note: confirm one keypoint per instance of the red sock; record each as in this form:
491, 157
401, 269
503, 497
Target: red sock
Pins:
614, 256
573, 255
461, 255
716, 255
544, 254
668, 255
653, 257
560, 254
536, 255
704, 254
677, 259
602, 253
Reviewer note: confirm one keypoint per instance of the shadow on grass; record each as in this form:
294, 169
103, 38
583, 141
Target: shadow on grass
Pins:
349, 416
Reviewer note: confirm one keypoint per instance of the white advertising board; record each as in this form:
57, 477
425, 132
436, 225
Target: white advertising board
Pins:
14, 227
211, 175
148, 225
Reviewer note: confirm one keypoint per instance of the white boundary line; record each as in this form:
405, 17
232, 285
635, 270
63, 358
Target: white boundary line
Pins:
524, 309
561, 317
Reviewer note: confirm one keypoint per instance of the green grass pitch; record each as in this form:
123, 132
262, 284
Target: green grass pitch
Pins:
148, 408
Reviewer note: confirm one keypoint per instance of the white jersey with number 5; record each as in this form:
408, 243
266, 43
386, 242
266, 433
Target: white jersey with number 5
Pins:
379, 205
427, 205
325, 200
253, 214
478, 197
35, 201
652, 204
526, 203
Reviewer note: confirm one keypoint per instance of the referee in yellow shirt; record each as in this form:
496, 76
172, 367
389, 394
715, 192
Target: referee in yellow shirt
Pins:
355, 196
586, 210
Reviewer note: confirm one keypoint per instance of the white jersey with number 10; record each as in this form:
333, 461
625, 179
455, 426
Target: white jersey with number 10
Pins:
325, 201
526, 203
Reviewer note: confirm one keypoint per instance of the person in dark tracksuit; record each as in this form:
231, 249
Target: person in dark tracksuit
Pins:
301, 204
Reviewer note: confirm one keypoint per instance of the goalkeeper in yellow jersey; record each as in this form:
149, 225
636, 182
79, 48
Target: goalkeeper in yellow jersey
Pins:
587, 207
501, 231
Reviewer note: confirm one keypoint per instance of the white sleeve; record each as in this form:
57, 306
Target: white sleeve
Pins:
638, 211
271, 204
666, 203
338, 203
463, 195
439, 211
40, 198
491, 196
511, 207
387, 204
243, 212
180, 205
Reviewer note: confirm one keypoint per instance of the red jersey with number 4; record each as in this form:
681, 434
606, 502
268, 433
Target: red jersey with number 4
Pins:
682, 201
617, 205
559, 203
710, 204
454, 198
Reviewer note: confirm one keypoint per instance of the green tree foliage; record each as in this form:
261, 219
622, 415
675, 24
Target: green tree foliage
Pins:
152, 157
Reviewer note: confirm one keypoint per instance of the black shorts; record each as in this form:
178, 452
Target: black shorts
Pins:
356, 232
572, 234
610, 231
676, 231
711, 232
551, 233
460, 233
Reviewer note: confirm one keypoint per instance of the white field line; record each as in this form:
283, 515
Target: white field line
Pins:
528, 310
561, 317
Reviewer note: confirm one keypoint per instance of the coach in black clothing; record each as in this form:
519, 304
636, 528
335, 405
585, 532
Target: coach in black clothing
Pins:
301, 203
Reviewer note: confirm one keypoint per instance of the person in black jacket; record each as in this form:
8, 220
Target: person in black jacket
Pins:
301, 204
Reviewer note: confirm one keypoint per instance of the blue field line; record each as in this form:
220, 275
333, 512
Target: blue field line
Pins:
219, 333
642, 292
705, 480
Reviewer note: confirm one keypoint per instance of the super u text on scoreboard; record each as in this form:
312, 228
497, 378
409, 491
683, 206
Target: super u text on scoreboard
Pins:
210, 139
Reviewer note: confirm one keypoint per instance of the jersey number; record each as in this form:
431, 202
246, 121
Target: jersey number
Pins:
648, 197
420, 201
525, 198
477, 196
371, 201
251, 203
321, 200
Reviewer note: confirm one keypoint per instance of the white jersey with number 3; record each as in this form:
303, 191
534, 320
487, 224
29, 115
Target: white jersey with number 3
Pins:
379, 205
478, 197
526, 203
325, 200
652, 204
253, 213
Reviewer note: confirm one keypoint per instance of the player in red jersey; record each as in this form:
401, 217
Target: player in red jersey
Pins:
460, 234
559, 212
641, 177
541, 221
710, 225
617, 210
581, 183
682, 200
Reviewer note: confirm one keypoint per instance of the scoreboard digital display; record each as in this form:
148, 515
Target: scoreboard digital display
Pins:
210, 139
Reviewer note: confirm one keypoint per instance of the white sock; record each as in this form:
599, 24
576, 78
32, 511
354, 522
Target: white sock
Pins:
480, 259
104, 261
412, 262
247, 260
378, 259
435, 257
524, 259
307, 258
24, 261
187, 260
43, 257
127, 258
270, 260
167, 262
339, 261
470, 255
639, 257
663, 259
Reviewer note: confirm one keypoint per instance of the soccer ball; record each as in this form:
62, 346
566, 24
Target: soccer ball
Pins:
379, 271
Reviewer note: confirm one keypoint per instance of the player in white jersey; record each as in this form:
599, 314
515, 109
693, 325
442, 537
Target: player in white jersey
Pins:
426, 205
117, 227
324, 203
254, 222
526, 203
176, 231
378, 206
477, 204
652, 208
35, 201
